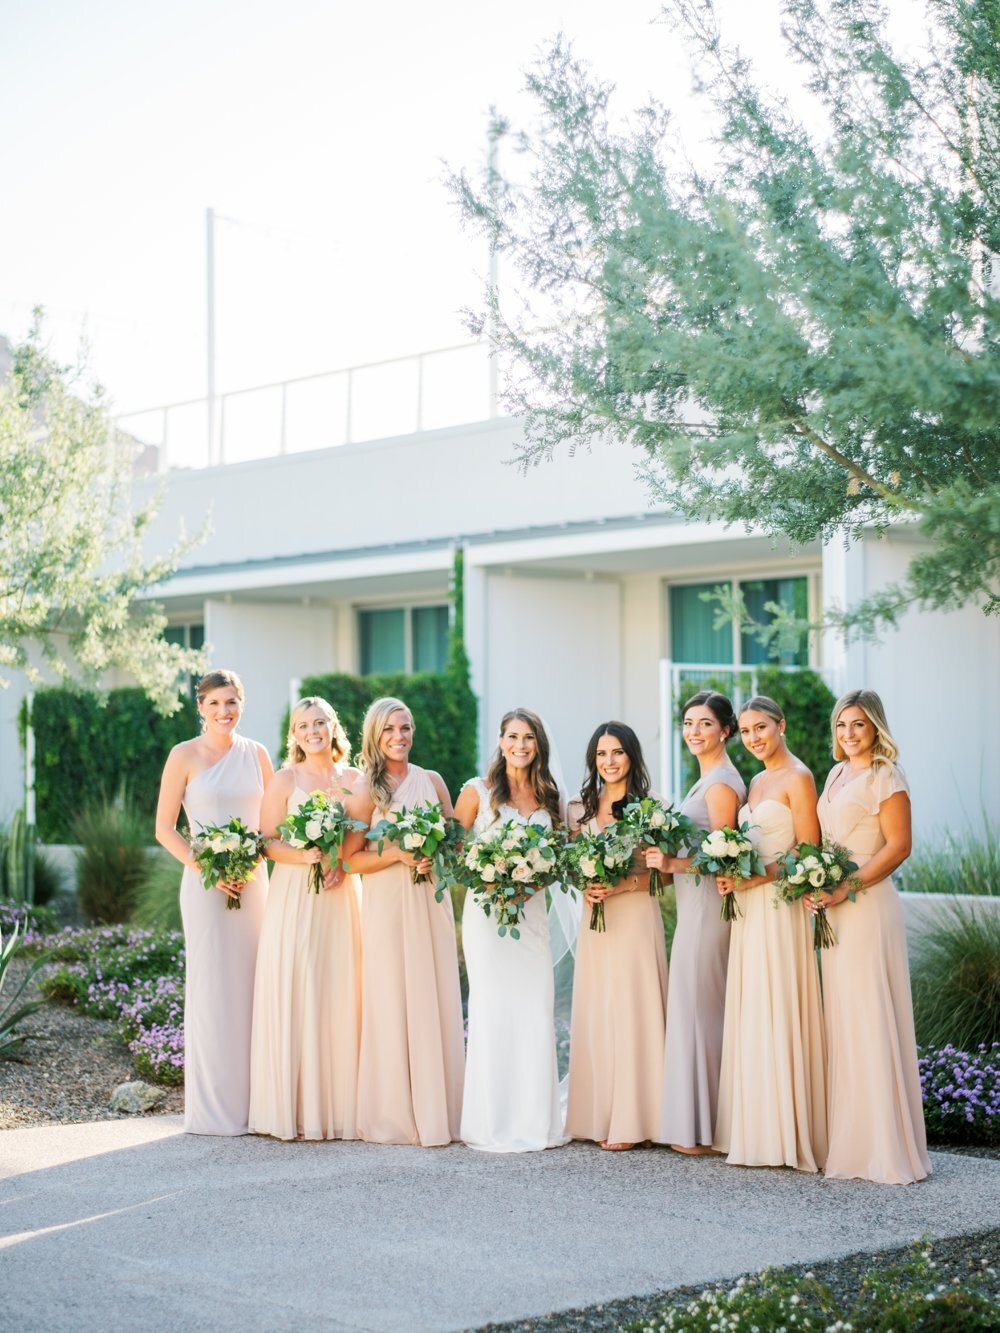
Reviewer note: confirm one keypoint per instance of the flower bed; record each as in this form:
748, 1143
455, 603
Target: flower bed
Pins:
961, 1092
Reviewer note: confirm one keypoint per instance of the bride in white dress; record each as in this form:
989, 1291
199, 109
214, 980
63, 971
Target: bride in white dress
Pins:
511, 1101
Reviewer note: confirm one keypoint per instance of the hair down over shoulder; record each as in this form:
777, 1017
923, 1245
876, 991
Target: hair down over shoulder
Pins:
539, 775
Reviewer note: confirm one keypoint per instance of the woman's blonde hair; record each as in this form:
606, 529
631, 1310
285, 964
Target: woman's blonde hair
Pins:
884, 748
340, 746
372, 760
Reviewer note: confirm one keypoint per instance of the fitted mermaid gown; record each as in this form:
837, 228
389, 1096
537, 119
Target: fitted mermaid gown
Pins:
511, 1097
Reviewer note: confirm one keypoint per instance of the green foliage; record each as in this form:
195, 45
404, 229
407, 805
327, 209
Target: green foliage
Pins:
804, 697
908, 1296
71, 560
801, 334
955, 978
13, 1011
960, 863
46, 874
98, 963
86, 742
157, 898
112, 861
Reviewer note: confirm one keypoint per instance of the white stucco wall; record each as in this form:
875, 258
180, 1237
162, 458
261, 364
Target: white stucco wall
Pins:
938, 677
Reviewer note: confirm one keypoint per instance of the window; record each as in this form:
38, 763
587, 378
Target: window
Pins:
694, 638
404, 638
186, 636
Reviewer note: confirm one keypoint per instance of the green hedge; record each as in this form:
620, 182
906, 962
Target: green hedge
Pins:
89, 746
443, 708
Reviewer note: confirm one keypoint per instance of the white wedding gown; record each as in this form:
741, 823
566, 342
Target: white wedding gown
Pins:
511, 1101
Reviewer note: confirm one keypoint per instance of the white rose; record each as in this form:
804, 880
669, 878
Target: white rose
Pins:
249, 845
657, 819
536, 859
817, 878
835, 874
314, 830
715, 844
810, 862
411, 841
589, 866
522, 873
742, 847
510, 843
799, 876
296, 842
229, 843
827, 858
487, 874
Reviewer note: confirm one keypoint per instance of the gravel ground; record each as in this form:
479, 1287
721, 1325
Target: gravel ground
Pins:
68, 1070
955, 1257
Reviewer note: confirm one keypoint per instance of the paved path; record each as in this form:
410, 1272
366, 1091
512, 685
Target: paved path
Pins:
131, 1224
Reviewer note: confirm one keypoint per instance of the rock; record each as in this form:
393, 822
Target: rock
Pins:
136, 1097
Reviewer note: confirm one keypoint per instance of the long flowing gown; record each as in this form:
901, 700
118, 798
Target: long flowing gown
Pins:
696, 999
875, 1107
618, 1024
511, 1097
410, 1075
307, 1007
772, 1089
220, 949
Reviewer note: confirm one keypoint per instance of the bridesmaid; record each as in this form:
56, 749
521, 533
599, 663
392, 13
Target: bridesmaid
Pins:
410, 1076
216, 776
620, 981
511, 1096
307, 996
772, 1091
874, 1106
700, 953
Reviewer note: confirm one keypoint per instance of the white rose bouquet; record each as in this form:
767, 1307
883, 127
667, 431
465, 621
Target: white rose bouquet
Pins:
504, 870
729, 852
424, 830
318, 822
599, 858
658, 825
810, 869
227, 854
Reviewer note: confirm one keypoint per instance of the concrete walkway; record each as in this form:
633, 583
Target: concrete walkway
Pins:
130, 1224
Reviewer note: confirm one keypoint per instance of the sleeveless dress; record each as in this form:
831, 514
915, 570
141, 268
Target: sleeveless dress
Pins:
220, 948
875, 1107
410, 1075
617, 1031
696, 1000
511, 1099
772, 1088
307, 1007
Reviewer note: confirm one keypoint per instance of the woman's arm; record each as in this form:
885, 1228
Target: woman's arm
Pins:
361, 857
443, 795
467, 806
168, 806
273, 809
894, 818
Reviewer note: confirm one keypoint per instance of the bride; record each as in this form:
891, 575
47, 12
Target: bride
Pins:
511, 1101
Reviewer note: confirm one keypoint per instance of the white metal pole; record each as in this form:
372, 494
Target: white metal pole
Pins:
210, 328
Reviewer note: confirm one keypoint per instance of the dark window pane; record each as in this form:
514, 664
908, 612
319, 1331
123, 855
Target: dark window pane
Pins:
692, 636
197, 636
430, 638
175, 634
793, 595
383, 641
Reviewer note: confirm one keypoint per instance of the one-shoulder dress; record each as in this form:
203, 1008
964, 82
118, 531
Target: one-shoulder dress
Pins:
307, 1007
412, 1058
220, 948
772, 1089
875, 1107
696, 999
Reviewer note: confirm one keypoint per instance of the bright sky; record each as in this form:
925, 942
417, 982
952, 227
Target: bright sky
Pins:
321, 128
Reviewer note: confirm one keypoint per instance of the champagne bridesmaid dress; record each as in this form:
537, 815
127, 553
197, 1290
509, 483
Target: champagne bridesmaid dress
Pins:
410, 1077
220, 948
875, 1107
511, 1097
696, 1000
307, 1007
772, 1090
617, 1027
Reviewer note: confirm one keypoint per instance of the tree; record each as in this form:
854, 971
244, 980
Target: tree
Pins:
71, 560
803, 337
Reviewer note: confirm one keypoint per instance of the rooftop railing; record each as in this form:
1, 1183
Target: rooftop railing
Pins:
447, 386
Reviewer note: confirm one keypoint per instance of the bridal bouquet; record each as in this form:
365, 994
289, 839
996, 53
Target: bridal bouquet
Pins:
318, 822
601, 858
658, 825
729, 852
508, 867
811, 869
424, 830
227, 854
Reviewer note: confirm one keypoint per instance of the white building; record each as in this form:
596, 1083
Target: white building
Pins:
578, 598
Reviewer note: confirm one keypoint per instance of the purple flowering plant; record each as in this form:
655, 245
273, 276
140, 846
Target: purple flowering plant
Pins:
961, 1093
